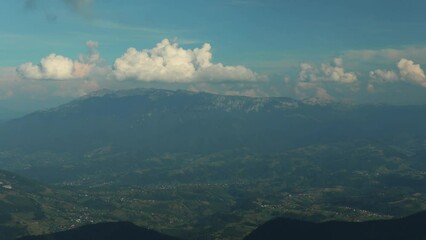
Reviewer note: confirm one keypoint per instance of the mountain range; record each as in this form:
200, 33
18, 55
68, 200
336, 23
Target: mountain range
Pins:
156, 121
139, 123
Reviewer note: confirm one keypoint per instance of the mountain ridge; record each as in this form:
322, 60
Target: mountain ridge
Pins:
407, 228
147, 122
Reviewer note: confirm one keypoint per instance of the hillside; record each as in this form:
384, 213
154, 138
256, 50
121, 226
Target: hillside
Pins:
104, 231
94, 132
408, 228
23, 204
155, 121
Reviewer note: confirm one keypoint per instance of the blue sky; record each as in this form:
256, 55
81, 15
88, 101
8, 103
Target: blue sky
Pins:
359, 51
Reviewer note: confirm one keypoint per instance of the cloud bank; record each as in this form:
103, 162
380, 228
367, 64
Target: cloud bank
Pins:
165, 66
168, 65
167, 62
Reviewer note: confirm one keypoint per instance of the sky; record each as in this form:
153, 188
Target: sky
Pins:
359, 51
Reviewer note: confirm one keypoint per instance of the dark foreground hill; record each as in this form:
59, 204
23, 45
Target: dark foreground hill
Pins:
105, 231
409, 228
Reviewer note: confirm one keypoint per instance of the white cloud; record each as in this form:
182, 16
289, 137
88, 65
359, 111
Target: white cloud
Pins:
58, 67
88, 86
308, 73
408, 71
167, 62
54, 66
335, 72
315, 81
412, 72
384, 75
322, 94
94, 56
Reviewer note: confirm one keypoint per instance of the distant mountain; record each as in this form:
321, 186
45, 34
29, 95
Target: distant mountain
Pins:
104, 231
128, 126
158, 121
153, 121
409, 228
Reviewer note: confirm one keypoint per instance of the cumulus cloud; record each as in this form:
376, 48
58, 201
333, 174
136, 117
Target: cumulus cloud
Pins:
314, 81
315, 90
412, 72
408, 71
308, 73
58, 67
335, 72
322, 94
54, 66
384, 75
167, 62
